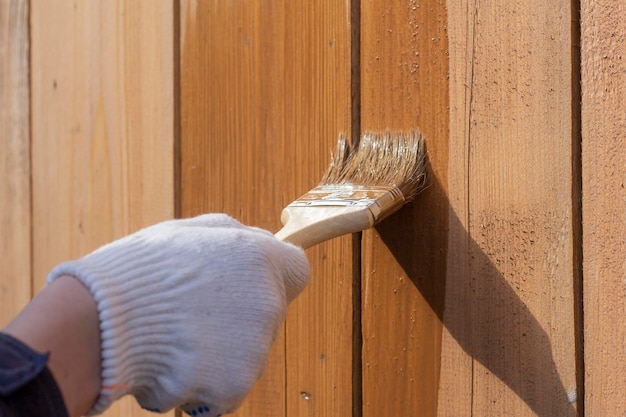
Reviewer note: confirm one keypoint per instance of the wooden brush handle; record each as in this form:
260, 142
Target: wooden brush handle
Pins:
308, 226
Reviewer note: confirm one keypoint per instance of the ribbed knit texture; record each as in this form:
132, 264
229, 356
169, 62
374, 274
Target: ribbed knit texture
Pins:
188, 311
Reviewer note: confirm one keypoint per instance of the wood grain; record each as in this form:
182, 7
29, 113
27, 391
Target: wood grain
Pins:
15, 223
603, 71
509, 340
103, 127
265, 89
404, 85
265, 92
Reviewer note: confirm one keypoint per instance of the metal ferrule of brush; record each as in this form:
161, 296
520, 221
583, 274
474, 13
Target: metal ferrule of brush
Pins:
379, 201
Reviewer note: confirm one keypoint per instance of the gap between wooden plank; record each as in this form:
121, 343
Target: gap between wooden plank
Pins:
357, 331
577, 220
355, 71
177, 27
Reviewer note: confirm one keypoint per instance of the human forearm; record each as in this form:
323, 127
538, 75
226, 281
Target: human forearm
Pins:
63, 320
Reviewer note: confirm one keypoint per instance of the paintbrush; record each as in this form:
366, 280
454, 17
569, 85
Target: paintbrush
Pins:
361, 187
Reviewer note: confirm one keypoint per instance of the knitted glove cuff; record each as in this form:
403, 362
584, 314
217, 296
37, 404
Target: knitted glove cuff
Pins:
135, 322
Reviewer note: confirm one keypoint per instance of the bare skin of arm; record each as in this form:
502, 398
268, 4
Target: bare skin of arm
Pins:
63, 320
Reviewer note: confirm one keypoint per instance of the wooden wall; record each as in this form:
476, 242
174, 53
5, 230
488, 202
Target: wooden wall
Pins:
500, 292
603, 50
15, 219
103, 133
404, 69
265, 87
509, 324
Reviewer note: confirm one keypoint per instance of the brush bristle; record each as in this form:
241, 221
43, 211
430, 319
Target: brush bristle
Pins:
387, 159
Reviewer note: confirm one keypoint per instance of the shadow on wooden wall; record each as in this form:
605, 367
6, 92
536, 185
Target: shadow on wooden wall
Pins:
493, 326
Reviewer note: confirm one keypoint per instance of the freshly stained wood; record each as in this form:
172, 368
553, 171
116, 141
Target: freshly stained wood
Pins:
15, 279
265, 92
103, 127
404, 85
509, 340
603, 70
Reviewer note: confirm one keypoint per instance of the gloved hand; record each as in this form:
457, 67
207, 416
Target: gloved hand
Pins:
188, 311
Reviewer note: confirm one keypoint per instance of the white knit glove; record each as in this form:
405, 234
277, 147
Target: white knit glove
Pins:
188, 311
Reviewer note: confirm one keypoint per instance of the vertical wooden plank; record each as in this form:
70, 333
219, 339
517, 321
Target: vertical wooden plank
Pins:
456, 380
15, 280
103, 127
404, 67
318, 106
265, 92
603, 48
225, 165
509, 344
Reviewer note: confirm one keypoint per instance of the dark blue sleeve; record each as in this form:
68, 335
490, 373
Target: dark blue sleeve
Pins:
27, 387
